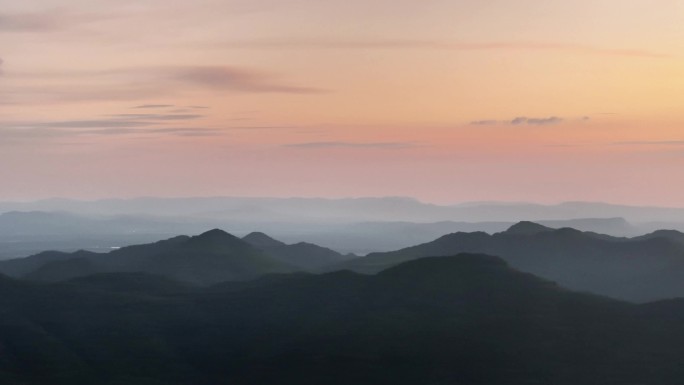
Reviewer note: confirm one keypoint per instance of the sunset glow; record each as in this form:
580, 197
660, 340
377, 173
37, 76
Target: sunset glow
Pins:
445, 101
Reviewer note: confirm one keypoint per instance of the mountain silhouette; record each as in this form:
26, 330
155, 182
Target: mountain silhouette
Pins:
306, 256
636, 269
261, 240
210, 257
21, 266
527, 228
672, 235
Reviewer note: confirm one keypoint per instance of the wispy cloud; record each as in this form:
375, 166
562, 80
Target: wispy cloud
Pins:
98, 123
50, 132
47, 21
154, 106
30, 22
236, 79
536, 121
142, 83
486, 122
157, 116
112, 121
110, 125
650, 143
522, 120
385, 145
393, 44
180, 131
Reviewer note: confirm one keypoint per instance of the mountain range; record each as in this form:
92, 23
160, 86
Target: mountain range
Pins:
23, 233
347, 225
211, 257
642, 268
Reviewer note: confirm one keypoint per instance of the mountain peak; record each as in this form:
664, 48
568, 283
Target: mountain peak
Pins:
213, 233
213, 237
261, 240
527, 228
667, 233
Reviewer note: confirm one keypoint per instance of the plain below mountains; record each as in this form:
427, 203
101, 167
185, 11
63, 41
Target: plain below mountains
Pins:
466, 319
642, 268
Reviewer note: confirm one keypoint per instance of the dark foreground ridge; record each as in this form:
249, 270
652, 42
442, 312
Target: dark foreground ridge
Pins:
467, 319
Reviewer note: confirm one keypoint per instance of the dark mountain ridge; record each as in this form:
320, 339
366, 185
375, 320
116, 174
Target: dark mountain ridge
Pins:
210, 257
306, 256
638, 269
466, 319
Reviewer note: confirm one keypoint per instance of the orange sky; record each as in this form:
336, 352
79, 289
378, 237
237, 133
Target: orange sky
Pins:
446, 101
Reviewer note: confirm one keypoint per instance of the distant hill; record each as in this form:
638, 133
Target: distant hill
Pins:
306, 256
19, 267
21, 224
24, 233
639, 269
610, 226
673, 235
262, 241
346, 210
466, 319
347, 226
211, 257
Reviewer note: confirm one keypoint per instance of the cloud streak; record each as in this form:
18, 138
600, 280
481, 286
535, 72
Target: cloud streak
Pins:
536, 121
521, 120
486, 122
394, 44
112, 125
143, 83
153, 106
210, 77
39, 132
168, 117
651, 143
336, 144
47, 21
113, 121
30, 22
234, 79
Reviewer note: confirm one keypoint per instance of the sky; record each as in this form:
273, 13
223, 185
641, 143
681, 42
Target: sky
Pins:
445, 101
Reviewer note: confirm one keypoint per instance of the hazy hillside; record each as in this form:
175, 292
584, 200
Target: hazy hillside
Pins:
640, 269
